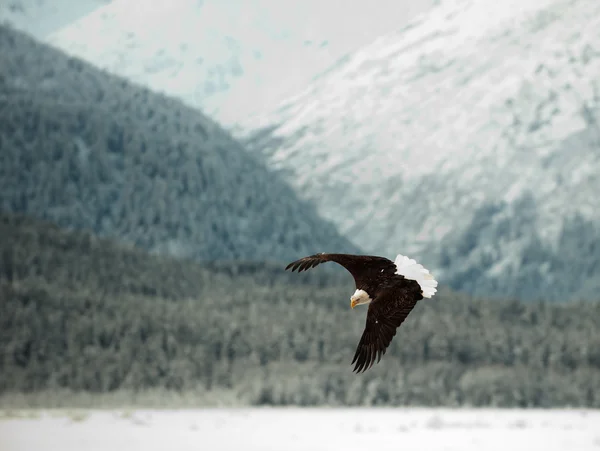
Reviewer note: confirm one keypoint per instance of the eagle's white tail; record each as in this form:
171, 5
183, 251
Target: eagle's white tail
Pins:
410, 269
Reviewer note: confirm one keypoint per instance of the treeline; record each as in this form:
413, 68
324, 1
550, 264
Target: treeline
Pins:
90, 315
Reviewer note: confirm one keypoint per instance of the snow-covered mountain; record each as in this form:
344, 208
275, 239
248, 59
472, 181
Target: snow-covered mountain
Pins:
470, 136
228, 57
41, 17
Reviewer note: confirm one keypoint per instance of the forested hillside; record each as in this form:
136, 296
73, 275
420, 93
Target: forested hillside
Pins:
90, 150
567, 270
92, 316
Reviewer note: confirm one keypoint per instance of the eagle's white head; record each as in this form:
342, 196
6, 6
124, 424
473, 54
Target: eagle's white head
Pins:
360, 297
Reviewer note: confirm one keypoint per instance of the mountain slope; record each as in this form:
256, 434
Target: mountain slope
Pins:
90, 150
478, 102
230, 58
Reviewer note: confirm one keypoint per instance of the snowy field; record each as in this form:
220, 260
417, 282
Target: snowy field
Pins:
301, 429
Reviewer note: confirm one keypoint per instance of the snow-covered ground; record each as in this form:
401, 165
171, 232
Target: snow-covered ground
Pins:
305, 429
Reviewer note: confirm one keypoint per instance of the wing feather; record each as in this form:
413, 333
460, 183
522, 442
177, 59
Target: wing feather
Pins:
384, 316
306, 263
365, 269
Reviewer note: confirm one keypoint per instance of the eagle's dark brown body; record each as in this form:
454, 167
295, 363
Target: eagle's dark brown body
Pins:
392, 298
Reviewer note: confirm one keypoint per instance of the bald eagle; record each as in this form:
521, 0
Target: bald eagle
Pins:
391, 289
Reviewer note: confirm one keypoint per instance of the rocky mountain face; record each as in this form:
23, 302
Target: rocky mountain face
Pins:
468, 139
89, 150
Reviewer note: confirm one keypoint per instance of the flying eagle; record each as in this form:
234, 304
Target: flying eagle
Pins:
391, 289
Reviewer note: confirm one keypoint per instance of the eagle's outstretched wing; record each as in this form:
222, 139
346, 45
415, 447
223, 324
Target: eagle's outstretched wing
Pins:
384, 315
364, 268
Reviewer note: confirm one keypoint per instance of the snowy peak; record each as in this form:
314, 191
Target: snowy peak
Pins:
476, 102
229, 58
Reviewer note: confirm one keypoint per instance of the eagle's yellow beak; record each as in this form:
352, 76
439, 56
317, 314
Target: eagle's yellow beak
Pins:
353, 303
